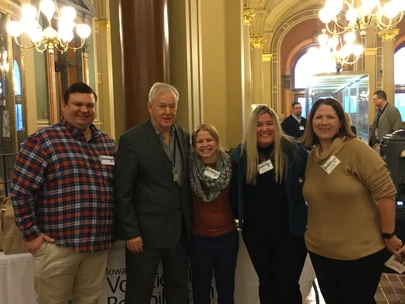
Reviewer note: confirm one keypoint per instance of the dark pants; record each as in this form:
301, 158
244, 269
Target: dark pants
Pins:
216, 255
349, 282
278, 261
141, 273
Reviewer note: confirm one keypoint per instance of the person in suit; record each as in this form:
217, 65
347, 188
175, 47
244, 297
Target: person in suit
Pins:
294, 125
153, 200
387, 120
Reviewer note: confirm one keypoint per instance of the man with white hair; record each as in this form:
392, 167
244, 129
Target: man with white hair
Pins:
153, 200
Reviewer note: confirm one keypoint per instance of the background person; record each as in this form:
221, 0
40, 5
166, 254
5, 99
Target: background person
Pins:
386, 120
215, 240
62, 193
271, 206
347, 229
154, 201
294, 125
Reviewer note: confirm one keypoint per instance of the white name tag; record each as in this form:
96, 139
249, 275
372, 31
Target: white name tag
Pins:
214, 174
107, 160
330, 164
265, 166
302, 128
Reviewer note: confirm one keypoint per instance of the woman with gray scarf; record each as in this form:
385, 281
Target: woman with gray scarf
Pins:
215, 240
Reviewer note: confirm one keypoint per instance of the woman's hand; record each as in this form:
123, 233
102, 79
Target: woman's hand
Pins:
393, 244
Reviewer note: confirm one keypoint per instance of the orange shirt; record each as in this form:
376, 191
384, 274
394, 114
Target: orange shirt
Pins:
215, 218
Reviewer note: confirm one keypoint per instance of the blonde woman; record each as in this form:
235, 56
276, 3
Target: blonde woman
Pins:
271, 207
215, 240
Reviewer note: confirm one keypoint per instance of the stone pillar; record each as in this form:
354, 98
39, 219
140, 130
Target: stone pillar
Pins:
145, 44
257, 69
388, 49
104, 76
248, 16
370, 68
266, 58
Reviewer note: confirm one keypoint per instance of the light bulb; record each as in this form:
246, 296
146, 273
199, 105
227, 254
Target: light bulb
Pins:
351, 15
65, 24
349, 37
68, 12
334, 6
29, 12
66, 36
14, 28
325, 16
47, 7
358, 50
390, 10
35, 34
369, 5
83, 30
323, 38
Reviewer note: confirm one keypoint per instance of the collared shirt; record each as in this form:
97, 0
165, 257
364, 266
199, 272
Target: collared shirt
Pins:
172, 150
297, 118
61, 188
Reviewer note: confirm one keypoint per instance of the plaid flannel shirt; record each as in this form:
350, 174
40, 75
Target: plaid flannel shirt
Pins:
61, 188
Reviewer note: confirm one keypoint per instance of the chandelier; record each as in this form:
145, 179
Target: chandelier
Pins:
48, 38
358, 15
333, 53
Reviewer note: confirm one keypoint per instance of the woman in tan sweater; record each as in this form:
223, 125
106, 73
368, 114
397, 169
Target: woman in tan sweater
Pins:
351, 208
215, 240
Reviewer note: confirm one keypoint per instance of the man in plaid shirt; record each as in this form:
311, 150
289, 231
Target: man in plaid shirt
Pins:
62, 193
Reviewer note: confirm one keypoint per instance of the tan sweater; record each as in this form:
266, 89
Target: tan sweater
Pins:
343, 220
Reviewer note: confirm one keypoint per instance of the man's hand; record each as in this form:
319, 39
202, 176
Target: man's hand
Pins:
135, 245
34, 245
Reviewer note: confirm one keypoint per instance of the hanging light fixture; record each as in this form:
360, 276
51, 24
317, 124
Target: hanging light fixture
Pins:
333, 53
358, 15
48, 38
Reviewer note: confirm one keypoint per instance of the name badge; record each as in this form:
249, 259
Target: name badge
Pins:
330, 164
265, 166
302, 128
107, 160
212, 173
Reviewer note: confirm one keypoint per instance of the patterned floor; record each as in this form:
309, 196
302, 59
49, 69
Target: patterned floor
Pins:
390, 290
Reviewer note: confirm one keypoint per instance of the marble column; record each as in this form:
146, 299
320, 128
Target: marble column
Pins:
370, 68
266, 58
257, 69
145, 48
248, 16
388, 49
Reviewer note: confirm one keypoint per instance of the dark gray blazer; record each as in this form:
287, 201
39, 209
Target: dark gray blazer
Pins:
149, 203
389, 122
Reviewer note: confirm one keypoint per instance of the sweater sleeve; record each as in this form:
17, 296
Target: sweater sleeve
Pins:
369, 167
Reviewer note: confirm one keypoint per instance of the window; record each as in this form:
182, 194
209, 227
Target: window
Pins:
303, 71
399, 78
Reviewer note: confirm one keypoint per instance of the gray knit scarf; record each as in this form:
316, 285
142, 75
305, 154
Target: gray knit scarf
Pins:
215, 186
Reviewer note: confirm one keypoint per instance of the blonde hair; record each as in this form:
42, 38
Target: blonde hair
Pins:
211, 130
249, 146
348, 118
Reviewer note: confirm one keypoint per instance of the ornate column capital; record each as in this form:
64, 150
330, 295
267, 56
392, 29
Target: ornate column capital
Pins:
248, 16
257, 42
388, 35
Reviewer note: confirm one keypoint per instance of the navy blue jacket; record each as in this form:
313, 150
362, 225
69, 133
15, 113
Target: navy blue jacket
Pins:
297, 156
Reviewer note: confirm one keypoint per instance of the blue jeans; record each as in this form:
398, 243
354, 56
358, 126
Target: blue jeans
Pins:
214, 255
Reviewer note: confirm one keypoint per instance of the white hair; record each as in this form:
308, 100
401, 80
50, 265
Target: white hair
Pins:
159, 88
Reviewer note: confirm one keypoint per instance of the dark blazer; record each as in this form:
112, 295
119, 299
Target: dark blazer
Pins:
389, 122
291, 126
149, 203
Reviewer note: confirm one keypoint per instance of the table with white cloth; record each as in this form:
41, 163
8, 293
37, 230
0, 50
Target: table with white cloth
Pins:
17, 286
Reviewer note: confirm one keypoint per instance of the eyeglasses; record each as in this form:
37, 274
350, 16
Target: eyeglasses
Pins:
299, 108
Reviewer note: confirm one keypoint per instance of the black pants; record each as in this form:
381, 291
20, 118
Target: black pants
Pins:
349, 282
278, 261
141, 273
214, 255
